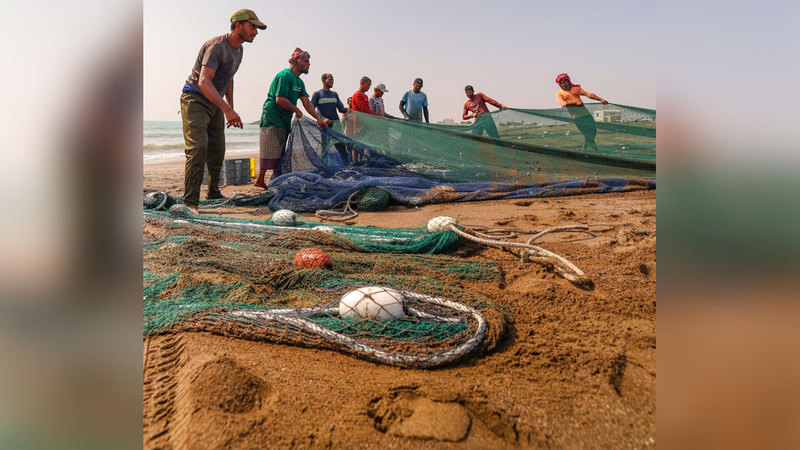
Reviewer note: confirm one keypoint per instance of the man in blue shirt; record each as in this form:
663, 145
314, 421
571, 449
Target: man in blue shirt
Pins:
415, 103
327, 103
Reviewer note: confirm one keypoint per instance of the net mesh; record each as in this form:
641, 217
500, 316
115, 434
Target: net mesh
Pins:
514, 153
204, 275
531, 146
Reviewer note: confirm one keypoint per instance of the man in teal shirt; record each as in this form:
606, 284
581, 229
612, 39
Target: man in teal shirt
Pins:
414, 103
276, 117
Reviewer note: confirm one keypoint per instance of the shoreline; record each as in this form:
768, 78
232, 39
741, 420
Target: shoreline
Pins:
180, 162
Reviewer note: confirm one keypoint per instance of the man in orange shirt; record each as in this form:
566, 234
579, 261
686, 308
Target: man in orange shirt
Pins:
570, 97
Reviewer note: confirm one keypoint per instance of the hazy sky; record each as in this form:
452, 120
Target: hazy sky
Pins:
509, 50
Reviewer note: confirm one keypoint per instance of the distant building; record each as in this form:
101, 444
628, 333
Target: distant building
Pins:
608, 115
448, 121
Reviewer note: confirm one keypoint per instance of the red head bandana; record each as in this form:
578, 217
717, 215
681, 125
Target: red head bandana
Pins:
298, 54
564, 77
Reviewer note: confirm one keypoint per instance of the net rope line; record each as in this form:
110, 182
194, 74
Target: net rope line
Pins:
275, 229
513, 233
537, 254
231, 199
294, 318
339, 216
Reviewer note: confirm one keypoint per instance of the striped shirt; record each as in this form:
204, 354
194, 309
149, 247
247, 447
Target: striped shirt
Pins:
361, 103
326, 103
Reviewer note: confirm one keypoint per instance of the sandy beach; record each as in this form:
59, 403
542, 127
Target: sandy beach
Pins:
571, 368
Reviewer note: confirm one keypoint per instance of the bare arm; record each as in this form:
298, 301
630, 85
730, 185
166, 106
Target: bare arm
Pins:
596, 97
210, 92
493, 102
425, 111
465, 114
284, 103
310, 108
403, 109
229, 92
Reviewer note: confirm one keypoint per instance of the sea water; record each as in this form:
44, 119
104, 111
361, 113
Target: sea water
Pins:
163, 141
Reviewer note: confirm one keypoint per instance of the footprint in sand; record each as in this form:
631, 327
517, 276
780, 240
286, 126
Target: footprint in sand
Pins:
223, 385
405, 413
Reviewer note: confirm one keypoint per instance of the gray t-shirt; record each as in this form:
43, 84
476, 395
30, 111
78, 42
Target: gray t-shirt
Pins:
218, 54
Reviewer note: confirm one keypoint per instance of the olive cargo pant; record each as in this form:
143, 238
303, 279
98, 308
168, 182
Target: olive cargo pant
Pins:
204, 137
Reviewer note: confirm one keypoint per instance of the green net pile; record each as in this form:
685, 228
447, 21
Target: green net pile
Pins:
230, 277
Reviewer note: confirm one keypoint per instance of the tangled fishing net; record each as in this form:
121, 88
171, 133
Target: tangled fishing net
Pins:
239, 278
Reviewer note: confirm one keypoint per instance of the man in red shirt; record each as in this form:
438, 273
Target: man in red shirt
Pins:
476, 105
360, 99
360, 103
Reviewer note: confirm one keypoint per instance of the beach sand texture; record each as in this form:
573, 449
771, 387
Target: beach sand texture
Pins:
574, 368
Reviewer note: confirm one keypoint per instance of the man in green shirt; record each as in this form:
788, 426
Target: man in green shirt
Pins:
276, 117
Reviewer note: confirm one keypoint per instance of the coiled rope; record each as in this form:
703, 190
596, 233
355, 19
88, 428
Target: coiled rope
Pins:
295, 319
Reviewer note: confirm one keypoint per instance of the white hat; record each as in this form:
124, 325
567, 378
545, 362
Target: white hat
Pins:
382, 87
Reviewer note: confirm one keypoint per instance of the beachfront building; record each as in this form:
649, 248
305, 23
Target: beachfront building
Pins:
607, 115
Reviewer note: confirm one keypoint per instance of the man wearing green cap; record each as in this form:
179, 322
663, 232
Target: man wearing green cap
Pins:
207, 105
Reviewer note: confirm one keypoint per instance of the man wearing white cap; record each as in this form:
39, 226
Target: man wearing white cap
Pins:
376, 101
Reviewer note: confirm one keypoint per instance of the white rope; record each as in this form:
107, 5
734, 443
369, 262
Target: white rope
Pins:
161, 203
231, 199
564, 229
295, 318
536, 254
326, 214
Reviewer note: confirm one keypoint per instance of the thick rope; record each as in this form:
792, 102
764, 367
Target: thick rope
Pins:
161, 203
536, 254
339, 216
512, 233
564, 229
225, 201
295, 318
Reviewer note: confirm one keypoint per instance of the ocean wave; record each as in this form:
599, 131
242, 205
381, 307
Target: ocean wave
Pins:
158, 147
178, 134
167, 156
163, 134
167, 146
